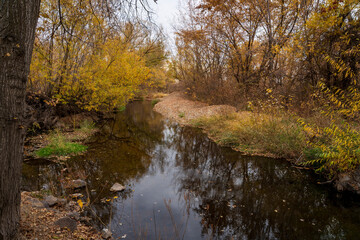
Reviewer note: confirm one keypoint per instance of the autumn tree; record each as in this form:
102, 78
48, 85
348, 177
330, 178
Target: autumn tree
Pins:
251, 38
87, 56
248, 47
18, 19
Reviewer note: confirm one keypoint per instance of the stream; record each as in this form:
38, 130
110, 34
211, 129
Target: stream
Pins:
181, 185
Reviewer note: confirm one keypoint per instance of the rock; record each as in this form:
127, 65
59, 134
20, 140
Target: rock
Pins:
62, 201
117, 187
106, 233
51, 200
45, 187
74, 215
36, 203
76, 195
66, 222
78, 183
349, 182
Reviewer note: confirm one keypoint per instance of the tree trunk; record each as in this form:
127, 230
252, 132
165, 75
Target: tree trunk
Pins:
18, 20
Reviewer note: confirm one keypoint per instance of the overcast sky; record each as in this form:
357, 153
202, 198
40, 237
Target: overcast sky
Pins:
166, 11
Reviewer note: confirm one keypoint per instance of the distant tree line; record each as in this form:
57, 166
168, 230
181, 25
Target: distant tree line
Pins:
234, 51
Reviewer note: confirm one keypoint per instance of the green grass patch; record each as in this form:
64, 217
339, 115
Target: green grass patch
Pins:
181, 115
60, 146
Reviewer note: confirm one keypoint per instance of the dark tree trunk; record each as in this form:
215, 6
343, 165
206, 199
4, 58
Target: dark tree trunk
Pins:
18, 20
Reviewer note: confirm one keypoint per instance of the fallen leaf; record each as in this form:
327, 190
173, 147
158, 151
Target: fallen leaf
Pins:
81, 204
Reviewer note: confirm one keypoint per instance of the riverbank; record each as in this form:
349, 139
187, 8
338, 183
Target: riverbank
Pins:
52, 218
251, 133
158, 161
44, 214
60, 143
245, 131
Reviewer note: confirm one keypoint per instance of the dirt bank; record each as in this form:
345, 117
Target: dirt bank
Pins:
177, 107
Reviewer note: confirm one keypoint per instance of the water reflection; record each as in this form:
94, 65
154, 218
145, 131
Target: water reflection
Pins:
180, 185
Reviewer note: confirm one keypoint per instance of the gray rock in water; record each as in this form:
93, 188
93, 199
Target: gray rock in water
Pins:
78, 183
51, 200
106, 233
117, 187
66, 222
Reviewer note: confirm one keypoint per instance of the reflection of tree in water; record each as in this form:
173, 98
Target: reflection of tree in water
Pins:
42, 176
251, 197
120, 153
239, 197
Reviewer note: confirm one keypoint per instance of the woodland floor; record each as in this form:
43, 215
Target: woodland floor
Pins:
38, 222
37, 219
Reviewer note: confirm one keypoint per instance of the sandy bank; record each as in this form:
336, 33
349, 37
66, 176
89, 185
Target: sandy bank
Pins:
177, 107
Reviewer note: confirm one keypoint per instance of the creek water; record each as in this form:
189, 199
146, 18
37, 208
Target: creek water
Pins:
181, 185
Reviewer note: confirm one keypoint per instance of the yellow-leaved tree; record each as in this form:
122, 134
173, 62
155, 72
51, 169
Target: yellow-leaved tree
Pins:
335, 30
90, 58
110, 78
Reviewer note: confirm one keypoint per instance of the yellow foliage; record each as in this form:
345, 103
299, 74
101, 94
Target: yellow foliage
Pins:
84, 62
81, 204
110, 78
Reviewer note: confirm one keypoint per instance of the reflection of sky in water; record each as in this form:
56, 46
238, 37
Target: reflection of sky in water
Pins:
180, 185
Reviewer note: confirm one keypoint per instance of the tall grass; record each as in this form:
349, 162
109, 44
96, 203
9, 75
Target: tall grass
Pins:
257, 133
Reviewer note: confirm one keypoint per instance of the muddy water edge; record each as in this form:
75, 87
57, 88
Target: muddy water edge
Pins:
181, 185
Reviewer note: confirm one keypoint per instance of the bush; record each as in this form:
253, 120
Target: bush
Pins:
337, 149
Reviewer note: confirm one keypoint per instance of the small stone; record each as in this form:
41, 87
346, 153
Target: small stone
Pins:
106, 233
78, 183
76, 195
117, 187
66, 222
62, 201
51, 200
